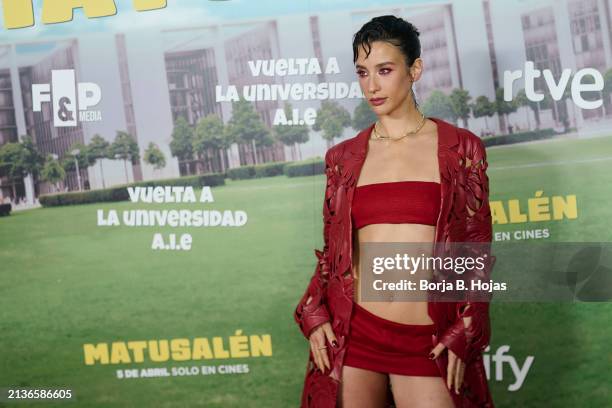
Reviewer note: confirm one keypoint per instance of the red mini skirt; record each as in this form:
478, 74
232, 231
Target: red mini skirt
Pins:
386, 346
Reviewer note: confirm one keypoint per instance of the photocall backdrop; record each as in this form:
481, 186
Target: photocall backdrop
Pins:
132, 293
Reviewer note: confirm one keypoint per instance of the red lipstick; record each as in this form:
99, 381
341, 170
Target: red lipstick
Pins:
378, 101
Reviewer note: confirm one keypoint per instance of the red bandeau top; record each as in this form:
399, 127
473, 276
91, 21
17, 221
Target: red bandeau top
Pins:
397, 202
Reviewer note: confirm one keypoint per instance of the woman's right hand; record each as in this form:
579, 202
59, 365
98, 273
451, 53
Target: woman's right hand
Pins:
320, 338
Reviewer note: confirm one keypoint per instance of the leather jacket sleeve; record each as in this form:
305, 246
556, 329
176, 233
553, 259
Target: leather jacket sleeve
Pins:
311, 310
468, 342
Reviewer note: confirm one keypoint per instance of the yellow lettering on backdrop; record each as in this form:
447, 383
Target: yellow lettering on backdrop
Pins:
565, 207
219, 351
18, 13
138, 348
180, 349
261, 345
119, 353
498, 214
201, 349
97, 352
144, 5
514, 209
59, 11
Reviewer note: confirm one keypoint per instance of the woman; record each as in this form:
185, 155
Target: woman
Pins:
405, 178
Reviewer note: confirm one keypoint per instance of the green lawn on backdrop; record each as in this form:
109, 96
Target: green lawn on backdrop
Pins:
65, 282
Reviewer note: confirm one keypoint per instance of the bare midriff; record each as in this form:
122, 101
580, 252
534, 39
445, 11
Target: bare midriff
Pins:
401, 311
412, 158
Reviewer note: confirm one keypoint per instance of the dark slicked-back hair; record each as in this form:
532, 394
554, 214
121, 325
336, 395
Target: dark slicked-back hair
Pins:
392, 29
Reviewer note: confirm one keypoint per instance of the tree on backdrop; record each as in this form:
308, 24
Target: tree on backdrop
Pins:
209, 141
483, 107
502, 107
521, 100
18, 159
181, 145
363, 116
99, 149
332, 118
439, 105
53, 172
246, 126
291, 135
83, 157
460, 105
125, 148
154, 156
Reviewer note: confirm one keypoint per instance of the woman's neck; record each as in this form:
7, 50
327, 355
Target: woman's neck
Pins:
396, 124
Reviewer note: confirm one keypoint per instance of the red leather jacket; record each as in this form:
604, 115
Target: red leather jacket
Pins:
329, 296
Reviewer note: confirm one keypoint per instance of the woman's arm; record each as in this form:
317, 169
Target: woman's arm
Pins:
471, 332
311, 311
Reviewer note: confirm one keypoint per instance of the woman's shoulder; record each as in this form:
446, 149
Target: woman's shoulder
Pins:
471, 144
467, 136
354, 144
463, 135
462, 140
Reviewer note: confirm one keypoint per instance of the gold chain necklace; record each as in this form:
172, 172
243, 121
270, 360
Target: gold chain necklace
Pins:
378, 136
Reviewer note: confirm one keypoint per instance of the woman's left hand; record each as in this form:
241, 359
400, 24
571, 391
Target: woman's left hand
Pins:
456, 366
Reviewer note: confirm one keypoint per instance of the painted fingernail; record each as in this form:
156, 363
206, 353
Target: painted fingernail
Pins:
431, 356
335, 343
